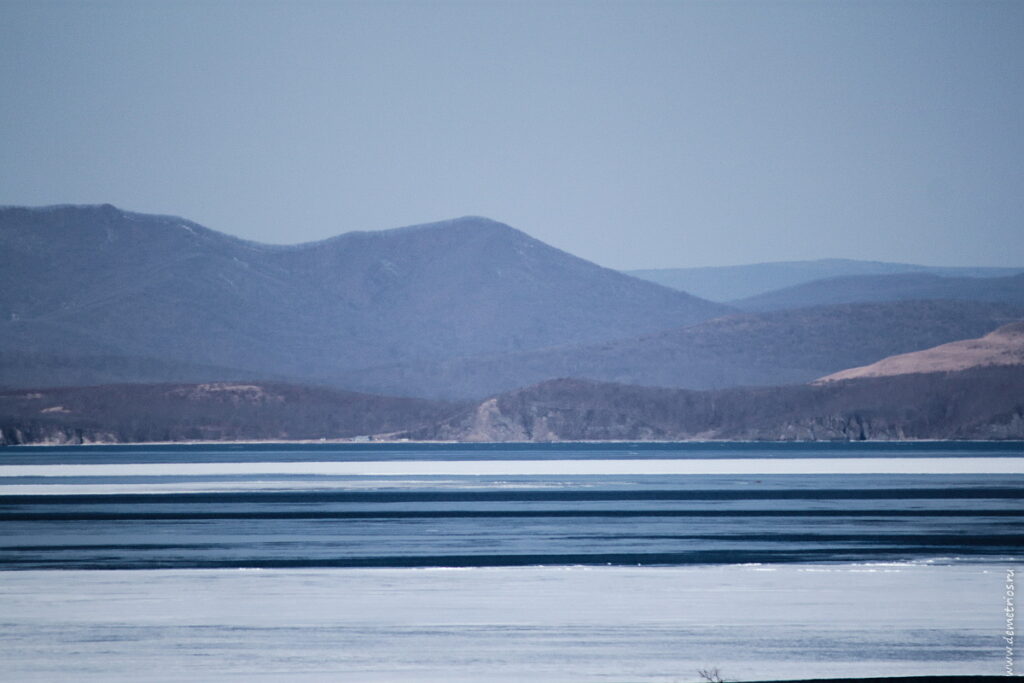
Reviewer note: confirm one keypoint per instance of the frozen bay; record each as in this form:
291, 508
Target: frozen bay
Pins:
508, 624
632, 562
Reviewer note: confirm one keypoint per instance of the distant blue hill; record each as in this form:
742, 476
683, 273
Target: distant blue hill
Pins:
729, 283
898, 287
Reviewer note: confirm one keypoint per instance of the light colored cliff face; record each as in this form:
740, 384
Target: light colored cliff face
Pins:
1004, 346
490, 424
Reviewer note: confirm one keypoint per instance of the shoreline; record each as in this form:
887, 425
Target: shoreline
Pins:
980, 678
412, 442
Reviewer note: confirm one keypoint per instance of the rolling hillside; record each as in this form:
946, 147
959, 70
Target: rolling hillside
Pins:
781, 347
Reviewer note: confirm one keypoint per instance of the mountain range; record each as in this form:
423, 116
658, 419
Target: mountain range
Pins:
128, 326
110, 292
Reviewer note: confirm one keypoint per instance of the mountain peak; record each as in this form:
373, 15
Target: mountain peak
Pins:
460, 224
482, 221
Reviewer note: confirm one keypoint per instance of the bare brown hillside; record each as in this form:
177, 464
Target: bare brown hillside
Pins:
1004, 346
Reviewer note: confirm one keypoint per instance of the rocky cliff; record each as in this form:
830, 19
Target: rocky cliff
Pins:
982, 403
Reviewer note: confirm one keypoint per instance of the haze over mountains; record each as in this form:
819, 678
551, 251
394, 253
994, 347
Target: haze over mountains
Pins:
464, 310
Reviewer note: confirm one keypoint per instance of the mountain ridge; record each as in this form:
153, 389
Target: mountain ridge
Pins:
732, 283
123, 283
892, 287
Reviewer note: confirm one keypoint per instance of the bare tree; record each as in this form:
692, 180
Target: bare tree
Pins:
710, 675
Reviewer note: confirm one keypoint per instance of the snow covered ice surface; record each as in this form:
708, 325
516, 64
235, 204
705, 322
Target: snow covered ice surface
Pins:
140, 563
503, 624
609, 466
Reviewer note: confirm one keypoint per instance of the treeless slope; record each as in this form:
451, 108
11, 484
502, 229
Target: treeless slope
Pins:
1004, 346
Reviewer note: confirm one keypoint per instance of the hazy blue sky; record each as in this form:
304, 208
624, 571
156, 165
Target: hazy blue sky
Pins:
635, 134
